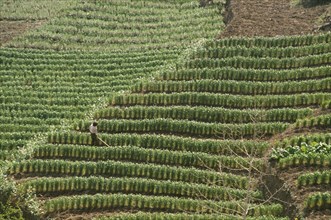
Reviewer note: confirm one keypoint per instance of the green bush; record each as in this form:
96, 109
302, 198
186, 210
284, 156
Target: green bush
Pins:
8, 210
16, 204
303, 149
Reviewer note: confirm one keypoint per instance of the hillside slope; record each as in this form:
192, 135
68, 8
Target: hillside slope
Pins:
44, 89
303, 162
204, 126
191, 137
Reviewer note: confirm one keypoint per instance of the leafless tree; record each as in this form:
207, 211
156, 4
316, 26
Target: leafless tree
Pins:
257, 176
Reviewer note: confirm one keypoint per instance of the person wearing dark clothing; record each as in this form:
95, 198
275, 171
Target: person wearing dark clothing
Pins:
94, 130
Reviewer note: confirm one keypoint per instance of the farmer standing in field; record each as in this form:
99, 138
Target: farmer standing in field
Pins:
94, 130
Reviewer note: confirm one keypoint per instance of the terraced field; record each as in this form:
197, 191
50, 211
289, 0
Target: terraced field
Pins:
189, 140
191, 137
126, 26
45, 90
304, 163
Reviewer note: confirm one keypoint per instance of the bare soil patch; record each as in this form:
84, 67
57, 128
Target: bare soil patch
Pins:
289, 176
270, 18
325, 215
298, 195
275, 190
11, 29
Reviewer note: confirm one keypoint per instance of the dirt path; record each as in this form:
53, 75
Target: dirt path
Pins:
270, 18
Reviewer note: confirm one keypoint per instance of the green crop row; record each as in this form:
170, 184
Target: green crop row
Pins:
46, 115
234, 87
134, 185
126, 169
61, 85
292, 41
171, 143
11, 127
120, 18
229, 73
261, 52
180, 15
13, 140
39, 108
64, 60
138, 10
64, 78
99, 62
64, 88
48, 41
326, 104
141, 155
308, 160
53, 101
204, 114
116, 201
10, 145
16, 135
27, 65
132, 22
91, 55
318, 201
258, 63
62, 41
47, 96
185, 127
182, 216
315, 178
136, 6
29, 121
322, 121
8, 155
139, 34
226, 101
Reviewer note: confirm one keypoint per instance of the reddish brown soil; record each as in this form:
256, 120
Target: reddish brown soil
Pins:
11, 29
325, 215
290, 176
270, 18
